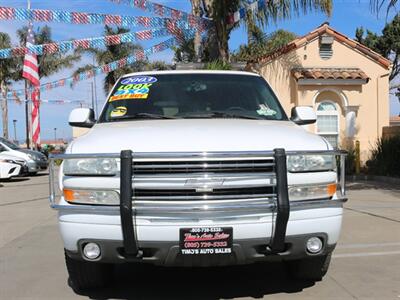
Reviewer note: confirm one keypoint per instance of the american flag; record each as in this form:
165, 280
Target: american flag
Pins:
31, 67
31, 73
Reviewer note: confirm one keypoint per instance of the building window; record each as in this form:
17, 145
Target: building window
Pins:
328, 122
325, 46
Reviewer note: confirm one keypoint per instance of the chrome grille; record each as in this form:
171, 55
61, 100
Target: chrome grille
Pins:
212, 179
228, 166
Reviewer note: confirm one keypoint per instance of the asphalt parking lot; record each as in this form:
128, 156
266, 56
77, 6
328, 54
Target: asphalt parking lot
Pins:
366, 263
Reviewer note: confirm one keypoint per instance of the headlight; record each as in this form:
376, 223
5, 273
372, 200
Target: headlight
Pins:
31, 156
90, 166
10, 161
91, 197
312, 192
310, 163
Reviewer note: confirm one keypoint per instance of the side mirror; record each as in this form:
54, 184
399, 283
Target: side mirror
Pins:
82, 117
303, 115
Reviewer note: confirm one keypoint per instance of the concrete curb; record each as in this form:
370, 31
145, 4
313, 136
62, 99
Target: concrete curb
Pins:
385, 179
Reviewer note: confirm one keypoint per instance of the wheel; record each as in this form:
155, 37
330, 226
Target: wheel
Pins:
312, 268
85, 275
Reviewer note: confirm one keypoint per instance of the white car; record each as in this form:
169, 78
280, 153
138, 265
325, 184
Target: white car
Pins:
35, 160
9, 169
197, 168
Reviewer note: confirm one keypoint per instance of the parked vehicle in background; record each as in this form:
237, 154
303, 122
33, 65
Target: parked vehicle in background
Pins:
197, 168
17, 161
9, 169
36, 161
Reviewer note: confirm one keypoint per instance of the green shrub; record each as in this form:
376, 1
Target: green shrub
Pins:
217, 65
385, 157
350, 161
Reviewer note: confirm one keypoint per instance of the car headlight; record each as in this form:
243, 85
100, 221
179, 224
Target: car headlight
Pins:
31, 156
310, 163
312, 192
10, 161
91, 197
90, 166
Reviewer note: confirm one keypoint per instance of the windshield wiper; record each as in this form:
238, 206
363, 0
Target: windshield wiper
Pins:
218, 114
142, 116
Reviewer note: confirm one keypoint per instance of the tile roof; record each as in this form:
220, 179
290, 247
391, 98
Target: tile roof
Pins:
325, 29
329, 73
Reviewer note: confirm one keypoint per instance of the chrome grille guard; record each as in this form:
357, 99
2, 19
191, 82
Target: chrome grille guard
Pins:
128, 209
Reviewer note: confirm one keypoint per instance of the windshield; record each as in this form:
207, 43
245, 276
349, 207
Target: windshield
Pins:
9, 144
170, 96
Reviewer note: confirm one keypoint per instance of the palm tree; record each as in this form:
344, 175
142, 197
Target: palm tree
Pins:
378, 5
219, 10
49, 63
8, 72
112, 53
261, 44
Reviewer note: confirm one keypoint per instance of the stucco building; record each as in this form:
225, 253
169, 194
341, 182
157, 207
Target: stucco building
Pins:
346, 83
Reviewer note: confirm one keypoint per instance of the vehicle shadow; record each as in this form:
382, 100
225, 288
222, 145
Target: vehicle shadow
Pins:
149, 282
15, 179
40, 174
375, 185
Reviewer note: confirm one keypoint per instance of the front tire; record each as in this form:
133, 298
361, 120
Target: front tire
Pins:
85, 275
312, 268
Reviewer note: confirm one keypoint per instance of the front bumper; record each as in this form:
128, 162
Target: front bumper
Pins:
37, 165
164, 253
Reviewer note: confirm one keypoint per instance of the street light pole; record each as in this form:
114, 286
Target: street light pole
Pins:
55, 135
15, 130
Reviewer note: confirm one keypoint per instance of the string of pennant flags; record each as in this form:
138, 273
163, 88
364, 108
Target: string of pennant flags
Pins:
82, 18
161, 10
19, 101
71, 81
249, 5
95, 42
179, 24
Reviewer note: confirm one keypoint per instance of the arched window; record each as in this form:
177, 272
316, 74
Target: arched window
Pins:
328, 122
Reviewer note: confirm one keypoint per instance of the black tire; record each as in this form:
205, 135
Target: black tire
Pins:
311, 268
86, 275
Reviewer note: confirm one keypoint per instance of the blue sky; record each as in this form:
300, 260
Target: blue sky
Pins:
347, 16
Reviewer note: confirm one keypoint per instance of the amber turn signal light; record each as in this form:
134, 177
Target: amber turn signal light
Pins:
331, 189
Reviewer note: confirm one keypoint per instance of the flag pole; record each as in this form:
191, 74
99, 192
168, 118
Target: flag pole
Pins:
27, 115
27, 127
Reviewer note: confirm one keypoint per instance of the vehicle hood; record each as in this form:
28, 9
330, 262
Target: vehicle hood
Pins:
34, 153
10, 155
196, 135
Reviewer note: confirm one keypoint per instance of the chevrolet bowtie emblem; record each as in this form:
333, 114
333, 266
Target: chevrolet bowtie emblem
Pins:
204, 184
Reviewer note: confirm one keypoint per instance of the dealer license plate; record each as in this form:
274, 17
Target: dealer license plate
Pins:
206, 240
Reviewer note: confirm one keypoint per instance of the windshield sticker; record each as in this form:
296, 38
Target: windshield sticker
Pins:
139, 80
266, 111
132, 91
120, 111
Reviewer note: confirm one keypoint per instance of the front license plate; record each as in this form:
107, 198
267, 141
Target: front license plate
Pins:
206, 240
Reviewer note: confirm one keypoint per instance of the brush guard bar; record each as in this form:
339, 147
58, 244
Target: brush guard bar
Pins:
128, 210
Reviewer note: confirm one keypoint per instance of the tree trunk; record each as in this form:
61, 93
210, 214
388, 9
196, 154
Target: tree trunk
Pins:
4, 109
196, 11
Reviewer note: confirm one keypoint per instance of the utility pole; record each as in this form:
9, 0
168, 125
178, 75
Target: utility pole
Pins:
95, 89
92, 90
4, 108
15, 130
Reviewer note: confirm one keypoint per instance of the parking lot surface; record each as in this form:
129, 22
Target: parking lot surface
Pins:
365, 265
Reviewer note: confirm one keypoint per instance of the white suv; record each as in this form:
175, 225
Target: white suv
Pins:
197, 168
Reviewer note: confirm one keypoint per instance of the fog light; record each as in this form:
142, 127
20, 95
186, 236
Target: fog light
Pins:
314, 245
91, 251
